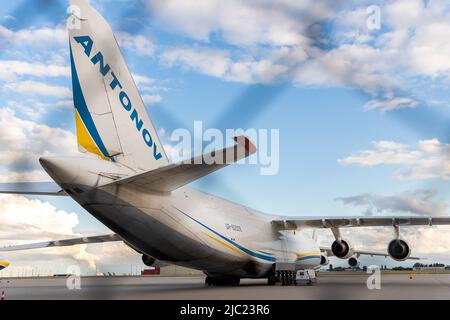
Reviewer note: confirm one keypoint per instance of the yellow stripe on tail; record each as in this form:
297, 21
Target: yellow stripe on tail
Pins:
84, 138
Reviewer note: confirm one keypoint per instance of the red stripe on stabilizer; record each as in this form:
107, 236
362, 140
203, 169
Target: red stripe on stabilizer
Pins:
248, 145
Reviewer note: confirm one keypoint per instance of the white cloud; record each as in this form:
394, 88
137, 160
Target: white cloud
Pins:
151, 99
142, 80
391, 104
41, 38
403, 14
424, 241
419, 202
175, 153
212, 62
430, 50
29, 175
34, 88
162, 132
147, 84
7, 17
28, 221
243, 23
22, 142
138, 44
64, 104
389, 65
40, 219
219, 64
10, 69
35, 110
428, 160
24, 220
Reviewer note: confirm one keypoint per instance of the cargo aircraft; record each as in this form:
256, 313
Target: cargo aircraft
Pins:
130, 186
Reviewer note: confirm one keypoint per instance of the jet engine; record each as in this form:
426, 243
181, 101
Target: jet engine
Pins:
324, 260
353, 262
341, 249
147, 260
399, 250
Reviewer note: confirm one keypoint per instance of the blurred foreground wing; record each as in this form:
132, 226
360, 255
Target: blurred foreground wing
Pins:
63, 243
32, 188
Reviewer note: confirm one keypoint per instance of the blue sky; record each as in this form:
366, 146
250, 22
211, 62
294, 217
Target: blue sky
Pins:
362, 113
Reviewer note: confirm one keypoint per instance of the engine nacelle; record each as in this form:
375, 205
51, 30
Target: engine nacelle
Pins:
353, 262
399, 250
148, 261
324, 260
341, 249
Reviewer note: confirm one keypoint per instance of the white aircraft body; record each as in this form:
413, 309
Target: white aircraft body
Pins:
132, 189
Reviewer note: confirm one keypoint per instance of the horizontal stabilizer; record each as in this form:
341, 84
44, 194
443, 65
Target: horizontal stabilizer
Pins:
63, 243
174, 176
32, 188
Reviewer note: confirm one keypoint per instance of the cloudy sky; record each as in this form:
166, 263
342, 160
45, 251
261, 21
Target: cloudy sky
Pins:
361, 108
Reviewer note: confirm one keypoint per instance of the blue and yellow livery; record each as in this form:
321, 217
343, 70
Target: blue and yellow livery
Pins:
3, 265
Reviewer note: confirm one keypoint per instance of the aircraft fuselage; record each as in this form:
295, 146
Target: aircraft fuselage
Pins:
185, 227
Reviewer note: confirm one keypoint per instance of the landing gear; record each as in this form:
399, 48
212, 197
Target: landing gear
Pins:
222, 281
287, 277
284, 277
272, 279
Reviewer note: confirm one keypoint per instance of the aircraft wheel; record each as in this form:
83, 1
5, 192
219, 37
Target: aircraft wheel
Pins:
286, 278
272, 279
293, 278
283, 278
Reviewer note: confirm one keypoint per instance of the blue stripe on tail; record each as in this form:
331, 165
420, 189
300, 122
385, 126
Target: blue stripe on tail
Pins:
83, 111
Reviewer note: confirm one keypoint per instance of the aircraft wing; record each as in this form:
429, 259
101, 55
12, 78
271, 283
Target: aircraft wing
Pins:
32, 188
63, 243
174, 176
329, 253
292, 223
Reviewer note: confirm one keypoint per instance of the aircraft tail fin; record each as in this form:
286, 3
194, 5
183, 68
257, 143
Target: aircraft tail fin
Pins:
111, 118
